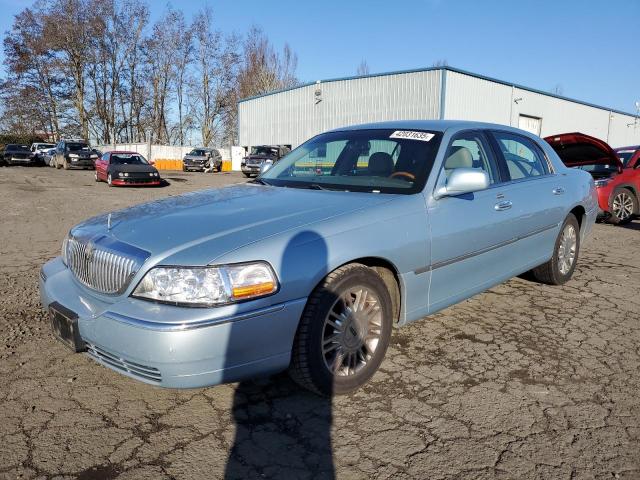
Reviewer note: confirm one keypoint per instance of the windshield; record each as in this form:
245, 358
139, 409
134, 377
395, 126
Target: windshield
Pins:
40, 146
263, 151
380, 161
18, 147
625, 156
198, 153
125, 159
76, 147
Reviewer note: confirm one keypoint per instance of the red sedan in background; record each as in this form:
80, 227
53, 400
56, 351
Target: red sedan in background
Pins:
616, 172
126, 168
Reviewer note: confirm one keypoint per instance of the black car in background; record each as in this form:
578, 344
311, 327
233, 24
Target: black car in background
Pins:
15, 154
74, 154
252, 163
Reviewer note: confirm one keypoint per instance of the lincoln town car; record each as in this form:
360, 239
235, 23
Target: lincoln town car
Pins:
309, 267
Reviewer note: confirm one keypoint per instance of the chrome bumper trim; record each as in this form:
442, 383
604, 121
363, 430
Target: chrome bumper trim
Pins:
180, 327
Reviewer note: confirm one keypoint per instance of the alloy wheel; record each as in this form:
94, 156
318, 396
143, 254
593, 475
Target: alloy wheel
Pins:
622, 205
352, 331
567, 249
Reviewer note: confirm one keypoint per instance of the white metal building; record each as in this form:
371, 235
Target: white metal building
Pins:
292, 116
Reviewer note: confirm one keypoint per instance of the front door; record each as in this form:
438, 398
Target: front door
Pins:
471, 234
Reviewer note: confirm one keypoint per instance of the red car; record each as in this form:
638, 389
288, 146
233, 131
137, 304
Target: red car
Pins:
126, 168
617, 180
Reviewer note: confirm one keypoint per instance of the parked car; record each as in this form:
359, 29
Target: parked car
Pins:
119, 168
376, 226
253, 163
15, 154
74, 154
617, 183
39, 150
202, 159
49, 157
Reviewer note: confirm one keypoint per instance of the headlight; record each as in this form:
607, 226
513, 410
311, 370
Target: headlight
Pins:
602, 182
207, 286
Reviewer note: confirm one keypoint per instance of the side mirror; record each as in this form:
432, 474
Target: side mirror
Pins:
266, 165
464, 180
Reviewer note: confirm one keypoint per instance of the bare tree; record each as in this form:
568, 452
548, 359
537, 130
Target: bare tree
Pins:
441, 63
363, 68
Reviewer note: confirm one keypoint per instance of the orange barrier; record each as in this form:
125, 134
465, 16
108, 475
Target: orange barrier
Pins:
170, 164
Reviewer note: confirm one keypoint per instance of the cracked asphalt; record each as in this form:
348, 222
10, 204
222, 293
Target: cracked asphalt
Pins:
523, 381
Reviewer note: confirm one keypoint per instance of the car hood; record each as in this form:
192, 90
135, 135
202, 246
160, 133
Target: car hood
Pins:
259, 157
195, 157
577, 149
196, 228
132, 168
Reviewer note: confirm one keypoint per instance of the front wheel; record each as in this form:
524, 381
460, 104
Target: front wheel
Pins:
109, 181
95, 175
560, 268
343, 333
248, 175
624, 205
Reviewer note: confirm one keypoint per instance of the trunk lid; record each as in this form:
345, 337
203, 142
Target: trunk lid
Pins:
578, 149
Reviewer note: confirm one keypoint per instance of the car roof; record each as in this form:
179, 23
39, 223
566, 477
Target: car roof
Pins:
127, 152
433, 125
631, 147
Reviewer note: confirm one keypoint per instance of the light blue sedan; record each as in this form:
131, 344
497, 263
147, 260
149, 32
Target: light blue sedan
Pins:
310, 266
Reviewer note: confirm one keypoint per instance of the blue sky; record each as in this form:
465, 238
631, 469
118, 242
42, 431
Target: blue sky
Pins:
589, 48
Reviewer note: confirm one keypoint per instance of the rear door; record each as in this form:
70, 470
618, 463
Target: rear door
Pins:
472, 234
537, 194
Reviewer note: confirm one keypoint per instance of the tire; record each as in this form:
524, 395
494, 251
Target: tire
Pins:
95, 174
623, 205
556, 272
248, 175
109, 181
320, 341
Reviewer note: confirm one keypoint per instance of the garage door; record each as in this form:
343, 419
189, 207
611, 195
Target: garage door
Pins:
530, 124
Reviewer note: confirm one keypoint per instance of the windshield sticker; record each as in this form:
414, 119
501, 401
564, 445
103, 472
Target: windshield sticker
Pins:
412, 135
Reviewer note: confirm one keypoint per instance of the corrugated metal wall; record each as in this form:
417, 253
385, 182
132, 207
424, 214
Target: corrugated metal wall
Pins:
472, 98
293, 116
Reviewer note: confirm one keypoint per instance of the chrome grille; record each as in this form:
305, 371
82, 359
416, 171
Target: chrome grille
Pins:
102, 269
136, 369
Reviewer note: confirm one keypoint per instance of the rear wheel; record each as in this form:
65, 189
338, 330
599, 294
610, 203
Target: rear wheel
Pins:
560, 268
343, 333
623, 206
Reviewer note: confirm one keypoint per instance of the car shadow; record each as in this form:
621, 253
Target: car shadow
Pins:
282, 430
633, 225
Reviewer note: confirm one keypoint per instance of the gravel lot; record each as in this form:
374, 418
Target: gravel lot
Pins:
524, 381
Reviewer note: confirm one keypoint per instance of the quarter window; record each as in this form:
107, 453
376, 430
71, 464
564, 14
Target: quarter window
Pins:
521, 156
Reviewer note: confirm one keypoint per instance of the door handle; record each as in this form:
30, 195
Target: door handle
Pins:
558, 191
506, 205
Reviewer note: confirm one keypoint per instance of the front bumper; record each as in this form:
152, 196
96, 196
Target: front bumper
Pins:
80, 162
250, 168
144, 340
120, 182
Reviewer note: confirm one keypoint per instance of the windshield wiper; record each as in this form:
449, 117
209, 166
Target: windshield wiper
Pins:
315, 186
259, 181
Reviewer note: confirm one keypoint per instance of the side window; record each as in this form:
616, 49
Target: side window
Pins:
468, 151
522, 157
105, 157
